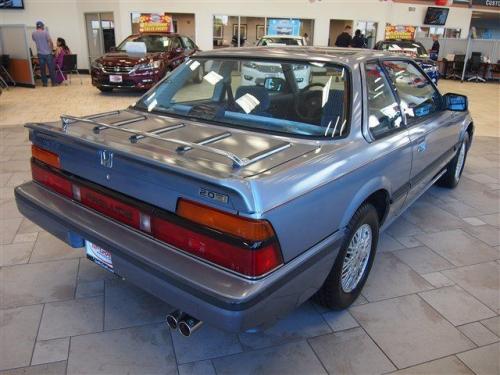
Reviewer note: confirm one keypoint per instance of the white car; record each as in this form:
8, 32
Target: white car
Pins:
281, 40
253, 73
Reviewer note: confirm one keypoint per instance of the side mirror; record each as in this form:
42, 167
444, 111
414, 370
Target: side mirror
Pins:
112, 49
455, 102
275, 84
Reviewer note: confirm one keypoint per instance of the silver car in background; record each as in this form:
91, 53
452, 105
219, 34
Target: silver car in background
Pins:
237, 202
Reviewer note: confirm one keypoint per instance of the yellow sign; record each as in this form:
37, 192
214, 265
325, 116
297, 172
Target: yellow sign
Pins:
400, 32
154, 22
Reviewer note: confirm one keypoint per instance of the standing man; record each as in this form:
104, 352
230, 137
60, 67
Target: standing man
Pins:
434, 52
359, 40
44, 47
344, 39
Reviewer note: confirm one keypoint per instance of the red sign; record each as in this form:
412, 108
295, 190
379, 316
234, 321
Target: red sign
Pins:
154, 22
400, 32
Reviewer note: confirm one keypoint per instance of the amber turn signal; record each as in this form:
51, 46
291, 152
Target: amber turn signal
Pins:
248, 229
45, 156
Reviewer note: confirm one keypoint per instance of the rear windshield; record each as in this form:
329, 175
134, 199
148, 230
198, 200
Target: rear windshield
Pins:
409, 48
280, 41
154, 43
294, 98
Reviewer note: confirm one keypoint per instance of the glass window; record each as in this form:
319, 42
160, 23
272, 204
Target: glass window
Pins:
154, 43
301, 98
417, 95
188, 43
384, 115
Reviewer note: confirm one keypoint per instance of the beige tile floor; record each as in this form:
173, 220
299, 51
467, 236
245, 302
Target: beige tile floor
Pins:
431, 304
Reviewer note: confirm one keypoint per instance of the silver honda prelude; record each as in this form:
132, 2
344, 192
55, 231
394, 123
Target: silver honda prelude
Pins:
236, 198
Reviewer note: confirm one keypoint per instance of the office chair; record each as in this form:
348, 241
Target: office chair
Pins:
5, 76
475, 67
69, 67
458, 66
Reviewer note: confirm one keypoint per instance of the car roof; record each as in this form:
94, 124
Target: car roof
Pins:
347, 56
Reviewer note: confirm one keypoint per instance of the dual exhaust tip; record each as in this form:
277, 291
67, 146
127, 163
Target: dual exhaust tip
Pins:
184, 322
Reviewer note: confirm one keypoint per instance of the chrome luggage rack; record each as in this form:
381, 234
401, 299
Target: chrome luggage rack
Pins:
183, 146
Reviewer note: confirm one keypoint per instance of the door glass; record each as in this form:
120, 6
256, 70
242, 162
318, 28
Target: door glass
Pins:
94, 36
384, 115
418, 96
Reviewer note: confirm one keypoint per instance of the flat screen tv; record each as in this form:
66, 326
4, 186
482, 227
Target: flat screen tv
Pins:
436, 16
11, 4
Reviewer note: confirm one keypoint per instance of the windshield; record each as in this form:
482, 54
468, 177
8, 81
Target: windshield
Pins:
294, 98
410, 48
280, 41
153, 43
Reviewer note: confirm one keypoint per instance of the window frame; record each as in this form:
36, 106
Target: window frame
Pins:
368, 132
413, 122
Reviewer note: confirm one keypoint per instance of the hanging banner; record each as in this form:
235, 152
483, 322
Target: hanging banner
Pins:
400, 32
154, 22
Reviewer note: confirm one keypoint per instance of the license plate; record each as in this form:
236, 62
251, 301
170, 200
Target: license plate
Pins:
99, 256
115, 78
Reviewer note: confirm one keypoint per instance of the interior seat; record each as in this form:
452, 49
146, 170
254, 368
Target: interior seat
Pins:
334, 108
260, 93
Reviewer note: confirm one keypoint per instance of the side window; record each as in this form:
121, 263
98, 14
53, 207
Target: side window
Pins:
175, 43
188, 43
384, 115
418, 97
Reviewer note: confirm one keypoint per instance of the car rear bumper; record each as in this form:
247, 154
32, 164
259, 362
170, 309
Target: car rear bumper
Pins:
218, 297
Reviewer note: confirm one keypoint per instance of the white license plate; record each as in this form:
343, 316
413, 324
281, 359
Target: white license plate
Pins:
115, 78
99, 256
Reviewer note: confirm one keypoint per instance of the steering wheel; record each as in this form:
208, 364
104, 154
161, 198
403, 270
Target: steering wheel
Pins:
308, 103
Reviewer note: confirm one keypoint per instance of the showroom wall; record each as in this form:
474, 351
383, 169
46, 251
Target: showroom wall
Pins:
66, 18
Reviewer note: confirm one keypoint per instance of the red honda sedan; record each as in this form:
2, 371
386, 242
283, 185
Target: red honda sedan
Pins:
141, 60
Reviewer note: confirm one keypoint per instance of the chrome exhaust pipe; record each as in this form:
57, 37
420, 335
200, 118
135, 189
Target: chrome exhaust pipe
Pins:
174, 318
188, 325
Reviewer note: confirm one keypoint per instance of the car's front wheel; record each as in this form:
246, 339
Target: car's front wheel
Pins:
456, 166
354, 260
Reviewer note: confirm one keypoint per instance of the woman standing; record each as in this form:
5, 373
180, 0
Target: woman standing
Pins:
61, 51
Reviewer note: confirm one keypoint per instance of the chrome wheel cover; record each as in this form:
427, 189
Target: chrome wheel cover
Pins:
356, 258
460, 161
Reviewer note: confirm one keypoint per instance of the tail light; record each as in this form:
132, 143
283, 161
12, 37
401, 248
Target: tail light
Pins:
47, 157
245, 246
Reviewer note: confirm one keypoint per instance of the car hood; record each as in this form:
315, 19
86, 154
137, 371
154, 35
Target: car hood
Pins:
127, 59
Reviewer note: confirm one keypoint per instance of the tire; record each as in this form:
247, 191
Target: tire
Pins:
335, 294
456, 165
105, 89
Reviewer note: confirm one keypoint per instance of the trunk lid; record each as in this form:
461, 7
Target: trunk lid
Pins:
183, 158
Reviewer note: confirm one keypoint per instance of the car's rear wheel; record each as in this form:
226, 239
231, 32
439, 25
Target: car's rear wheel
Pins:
354, 260
456, 165
105, 89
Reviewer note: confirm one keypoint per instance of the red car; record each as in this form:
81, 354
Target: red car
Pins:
141, 60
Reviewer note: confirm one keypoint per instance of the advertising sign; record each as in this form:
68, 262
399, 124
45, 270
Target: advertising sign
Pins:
154, 22
400, 32
278, 26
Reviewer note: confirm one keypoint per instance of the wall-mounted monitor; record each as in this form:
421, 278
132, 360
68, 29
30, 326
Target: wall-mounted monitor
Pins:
436, 16
11, 4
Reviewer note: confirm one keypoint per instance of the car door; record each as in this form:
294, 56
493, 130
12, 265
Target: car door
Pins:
433, 133
386, 130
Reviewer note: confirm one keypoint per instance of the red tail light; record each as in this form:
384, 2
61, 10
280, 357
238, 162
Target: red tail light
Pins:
52, 180
215, 238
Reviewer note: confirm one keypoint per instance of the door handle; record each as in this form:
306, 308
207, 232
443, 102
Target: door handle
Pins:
422, 146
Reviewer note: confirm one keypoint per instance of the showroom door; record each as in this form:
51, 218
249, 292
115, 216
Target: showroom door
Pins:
100, 34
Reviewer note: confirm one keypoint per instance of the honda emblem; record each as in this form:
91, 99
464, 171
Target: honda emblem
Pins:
106, 158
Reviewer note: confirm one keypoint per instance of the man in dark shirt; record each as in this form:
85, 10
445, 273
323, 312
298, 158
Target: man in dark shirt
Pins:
358, 41
434, 52
344, 39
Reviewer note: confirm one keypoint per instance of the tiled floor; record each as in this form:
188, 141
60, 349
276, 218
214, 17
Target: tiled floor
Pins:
430, 306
